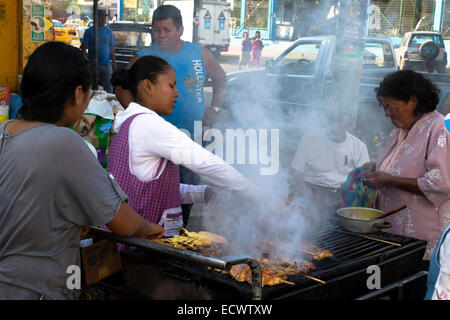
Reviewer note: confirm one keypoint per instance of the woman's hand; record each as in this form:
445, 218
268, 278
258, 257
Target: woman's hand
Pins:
85, 231
210, 194
369, 166
154, 231
377, 180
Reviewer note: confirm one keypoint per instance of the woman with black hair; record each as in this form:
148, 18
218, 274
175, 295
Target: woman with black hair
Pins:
413, 168
51, 185
146, 151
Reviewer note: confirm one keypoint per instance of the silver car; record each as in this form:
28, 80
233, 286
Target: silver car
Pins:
422, 51
82, 30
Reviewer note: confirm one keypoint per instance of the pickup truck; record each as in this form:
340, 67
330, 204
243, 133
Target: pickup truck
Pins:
130, 38
296, 84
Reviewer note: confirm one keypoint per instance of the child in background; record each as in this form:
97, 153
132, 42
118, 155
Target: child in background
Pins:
245, 50
257, 46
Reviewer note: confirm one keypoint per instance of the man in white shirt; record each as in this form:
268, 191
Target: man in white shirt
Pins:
323, 160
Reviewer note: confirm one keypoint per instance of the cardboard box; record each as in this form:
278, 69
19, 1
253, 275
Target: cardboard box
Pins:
4, 95
99, 260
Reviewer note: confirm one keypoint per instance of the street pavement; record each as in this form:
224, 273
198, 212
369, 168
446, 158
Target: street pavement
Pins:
229, 60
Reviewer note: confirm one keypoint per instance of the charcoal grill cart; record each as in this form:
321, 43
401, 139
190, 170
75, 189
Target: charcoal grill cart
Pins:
157, 271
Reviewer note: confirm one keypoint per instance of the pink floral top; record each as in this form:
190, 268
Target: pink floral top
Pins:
423, 152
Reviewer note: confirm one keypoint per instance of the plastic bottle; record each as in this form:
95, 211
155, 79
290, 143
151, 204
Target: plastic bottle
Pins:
4, 111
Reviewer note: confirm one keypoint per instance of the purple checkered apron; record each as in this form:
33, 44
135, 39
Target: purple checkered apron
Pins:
149, 199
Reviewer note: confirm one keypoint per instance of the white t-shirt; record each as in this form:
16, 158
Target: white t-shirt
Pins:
326, 163
442, 287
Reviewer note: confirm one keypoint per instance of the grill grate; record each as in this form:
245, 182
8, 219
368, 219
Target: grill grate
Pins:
352, 254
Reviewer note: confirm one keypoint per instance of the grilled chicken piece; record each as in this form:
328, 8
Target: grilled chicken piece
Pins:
287, 266
306, 266
204, 242
270, 278
215, 238
315, 252
242, 273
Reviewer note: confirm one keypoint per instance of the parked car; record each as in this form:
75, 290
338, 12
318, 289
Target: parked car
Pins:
81, 30
73, 25
129, 38
61, 32
422, 51
297, 83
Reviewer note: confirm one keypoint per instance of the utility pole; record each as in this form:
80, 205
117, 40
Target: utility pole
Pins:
351, 29
119, 10
95, 62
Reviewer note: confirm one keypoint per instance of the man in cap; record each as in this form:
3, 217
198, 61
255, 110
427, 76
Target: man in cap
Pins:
106, 55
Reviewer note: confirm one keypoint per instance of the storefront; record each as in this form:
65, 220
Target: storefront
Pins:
282, 19
294, 18
395, 17
289, 19
444, 22
251, 16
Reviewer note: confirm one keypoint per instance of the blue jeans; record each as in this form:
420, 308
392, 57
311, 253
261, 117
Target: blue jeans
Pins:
104, 77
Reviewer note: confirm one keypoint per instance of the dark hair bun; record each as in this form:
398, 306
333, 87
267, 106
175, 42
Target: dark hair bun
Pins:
121, 78
145, 68
52, 73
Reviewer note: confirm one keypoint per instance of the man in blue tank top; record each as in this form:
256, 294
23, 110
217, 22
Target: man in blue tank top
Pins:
192, 64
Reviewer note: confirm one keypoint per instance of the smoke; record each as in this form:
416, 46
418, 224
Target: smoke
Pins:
254, 105
246, 224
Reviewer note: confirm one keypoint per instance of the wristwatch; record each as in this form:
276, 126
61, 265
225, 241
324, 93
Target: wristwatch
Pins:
215, 108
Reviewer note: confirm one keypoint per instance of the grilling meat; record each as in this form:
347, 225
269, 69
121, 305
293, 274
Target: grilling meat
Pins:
286, 266
274, 271
314, 252
204, 242
204, 236
242, 273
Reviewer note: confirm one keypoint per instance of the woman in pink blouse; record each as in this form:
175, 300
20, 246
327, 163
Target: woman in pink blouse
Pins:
413, 168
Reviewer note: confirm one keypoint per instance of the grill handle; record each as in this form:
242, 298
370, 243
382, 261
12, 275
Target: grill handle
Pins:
224, 263
254, 267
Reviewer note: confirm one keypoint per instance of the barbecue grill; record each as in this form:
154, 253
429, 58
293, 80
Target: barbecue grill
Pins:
160, 272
